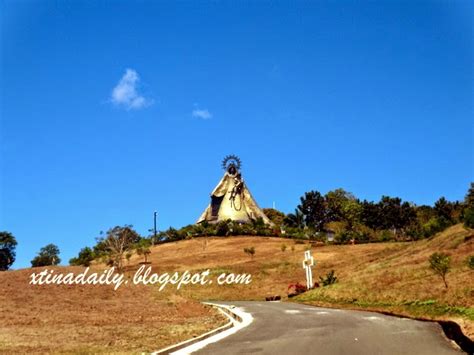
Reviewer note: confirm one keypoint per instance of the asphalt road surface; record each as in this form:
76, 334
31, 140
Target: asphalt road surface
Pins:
287, 329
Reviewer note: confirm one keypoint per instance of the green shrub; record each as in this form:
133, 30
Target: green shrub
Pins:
342, 237
283, 247
86, 255
329, 279
173, 235
385, 236
250, 251
222, 229
435, 225
470, 261
469, 217
440, 263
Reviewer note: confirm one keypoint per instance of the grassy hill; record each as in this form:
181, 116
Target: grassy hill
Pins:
391, 277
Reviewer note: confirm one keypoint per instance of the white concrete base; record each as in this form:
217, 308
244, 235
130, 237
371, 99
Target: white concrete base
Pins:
238, 319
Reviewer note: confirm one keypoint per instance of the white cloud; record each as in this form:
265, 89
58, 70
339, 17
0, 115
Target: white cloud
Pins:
125, 94
204, 114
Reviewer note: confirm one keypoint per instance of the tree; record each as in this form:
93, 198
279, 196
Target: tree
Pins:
395, 215
469, 199
313, 207
468, 213
117, 242
335, 201
444, 209
143, 248
370, 214
424, 213
48, 255
469, 217
351, 212
7, 250
274, 215
86, 255
440, 263
295, 220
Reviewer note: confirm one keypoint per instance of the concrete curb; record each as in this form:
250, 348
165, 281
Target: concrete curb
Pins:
235, 321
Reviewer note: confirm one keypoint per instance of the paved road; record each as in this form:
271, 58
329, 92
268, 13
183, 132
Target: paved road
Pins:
287, 329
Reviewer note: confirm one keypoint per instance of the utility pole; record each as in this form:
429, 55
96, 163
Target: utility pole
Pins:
154, 227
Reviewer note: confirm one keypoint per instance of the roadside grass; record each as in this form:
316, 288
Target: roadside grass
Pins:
424, 309
387, 277
391, 278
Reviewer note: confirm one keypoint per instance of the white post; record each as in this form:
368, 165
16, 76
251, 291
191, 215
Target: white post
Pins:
307, 263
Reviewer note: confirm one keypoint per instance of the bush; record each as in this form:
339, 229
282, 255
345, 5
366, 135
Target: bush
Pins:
295, 233
86, 255
364, 234
342, 237
329, 279
250, 251
223, 229
173, 235
469, 217
470, 261
385, 236
435, 225
275, 216
283, 247
440, 263
48, 255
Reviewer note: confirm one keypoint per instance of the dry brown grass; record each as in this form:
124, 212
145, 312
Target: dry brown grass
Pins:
397, 279
393, 277
93, 319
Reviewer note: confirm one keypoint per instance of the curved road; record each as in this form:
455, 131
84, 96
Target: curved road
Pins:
288, 328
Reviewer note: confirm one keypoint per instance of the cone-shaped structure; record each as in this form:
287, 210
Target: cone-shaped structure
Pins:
231, 198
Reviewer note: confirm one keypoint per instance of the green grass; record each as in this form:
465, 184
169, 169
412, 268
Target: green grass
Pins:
417, 308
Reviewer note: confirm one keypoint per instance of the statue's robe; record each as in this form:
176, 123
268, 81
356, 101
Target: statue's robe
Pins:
241, 208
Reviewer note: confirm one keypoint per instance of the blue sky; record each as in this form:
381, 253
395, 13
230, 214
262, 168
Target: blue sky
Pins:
111, 110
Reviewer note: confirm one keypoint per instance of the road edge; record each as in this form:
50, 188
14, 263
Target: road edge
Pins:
450, 329
237, 320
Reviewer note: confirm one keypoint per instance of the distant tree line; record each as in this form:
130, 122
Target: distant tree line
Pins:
338, 213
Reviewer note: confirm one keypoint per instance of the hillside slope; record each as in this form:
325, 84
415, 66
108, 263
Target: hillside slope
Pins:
393, 277
93, 319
